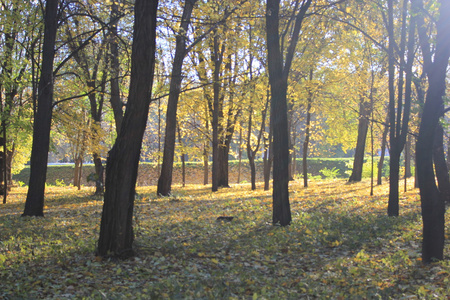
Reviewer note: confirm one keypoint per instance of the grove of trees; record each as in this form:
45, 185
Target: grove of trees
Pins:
118, 82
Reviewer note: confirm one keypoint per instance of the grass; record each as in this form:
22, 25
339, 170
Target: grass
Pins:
341, 245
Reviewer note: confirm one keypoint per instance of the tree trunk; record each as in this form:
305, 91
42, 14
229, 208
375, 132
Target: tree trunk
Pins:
432, 201
239, 155
183, 162
116, 229
217, 58
34, 205
205, 164
382, 154
250, 153
165, 179
440, 165
99, 182
278, 79
399, 114
115, 100
268, 158
306, 142
363, 127
76, 172
223, 165
408, 172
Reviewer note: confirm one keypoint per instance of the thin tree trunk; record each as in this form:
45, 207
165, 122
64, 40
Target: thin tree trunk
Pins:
115, 100
306, 142
382, 154
205, 151
183, 164
165, 179
250, 153
34, 205
116, 228
399, 114
268, 158
239, 155
363, 127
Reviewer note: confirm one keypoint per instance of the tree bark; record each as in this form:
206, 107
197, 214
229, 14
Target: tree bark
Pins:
307, 135
217, 57
363, 127
116, 229
115, 100
239, 155
399, 114
267, 159
382, 154
34, 205
440, 165
432, 200
165, 179
278, 79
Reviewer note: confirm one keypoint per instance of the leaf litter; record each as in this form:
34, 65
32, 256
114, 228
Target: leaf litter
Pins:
340, 245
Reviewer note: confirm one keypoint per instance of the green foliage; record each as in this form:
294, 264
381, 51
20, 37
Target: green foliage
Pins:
330, 174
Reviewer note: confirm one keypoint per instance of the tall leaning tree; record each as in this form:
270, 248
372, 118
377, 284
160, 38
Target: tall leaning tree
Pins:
34, 204
116, 228
435, 66
279, 65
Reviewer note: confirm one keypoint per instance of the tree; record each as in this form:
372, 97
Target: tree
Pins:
92, 62
432, 199
399, 111
181, 50
279, 68
34, 205
115, 100
165, 179
116, 228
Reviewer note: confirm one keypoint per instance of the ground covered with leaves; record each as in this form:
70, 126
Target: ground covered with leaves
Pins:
341, 245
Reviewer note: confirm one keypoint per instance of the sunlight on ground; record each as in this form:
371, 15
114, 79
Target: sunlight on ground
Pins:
341, 244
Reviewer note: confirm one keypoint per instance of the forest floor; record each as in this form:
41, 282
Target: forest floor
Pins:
340, 245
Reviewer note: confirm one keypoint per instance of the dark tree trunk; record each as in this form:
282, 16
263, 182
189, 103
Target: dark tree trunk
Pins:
116, 229
34, 205
432, 200
226, 135
363, 127
440, 165
77, 172
99, 181
307, 136
115, 100
205, 164
250, 153
294, 153
183, 160
239, 155
165, 179
217, 58
223, 165
382, 154
399, 114
267, 159
205, 150
408, 172
278, 79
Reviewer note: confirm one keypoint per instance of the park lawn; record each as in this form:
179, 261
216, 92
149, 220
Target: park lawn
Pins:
341, 245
